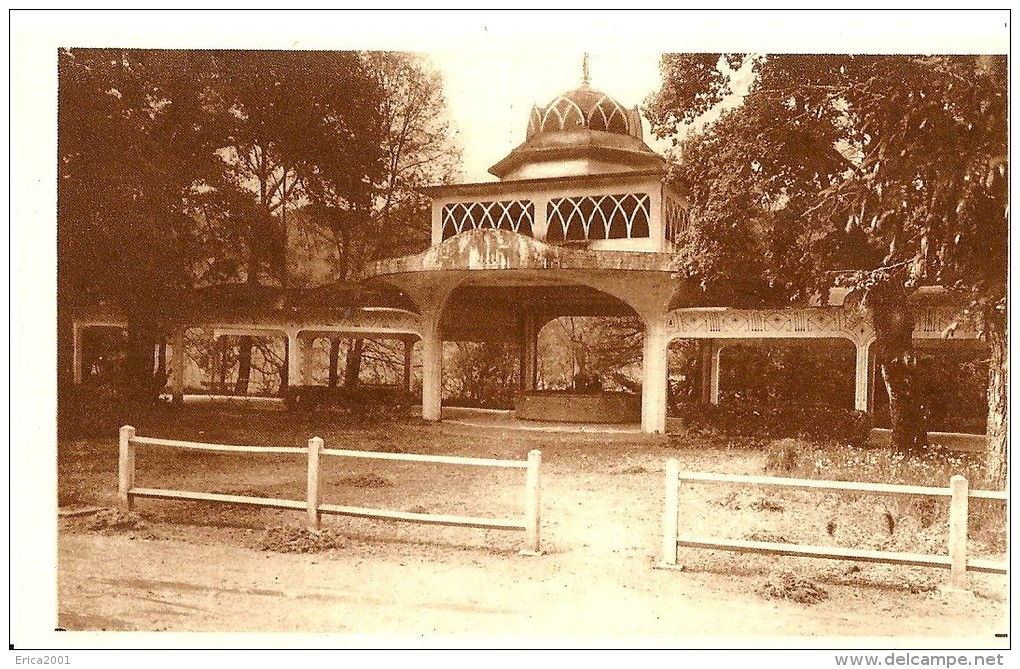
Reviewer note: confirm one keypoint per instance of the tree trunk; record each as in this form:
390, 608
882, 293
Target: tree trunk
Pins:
243, 365
996, 456
893, 319
334, 361
161, 358
139, 377
352, 370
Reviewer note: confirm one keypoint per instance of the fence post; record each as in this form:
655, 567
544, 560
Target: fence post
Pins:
671, 512
958, 531
126, 467
533, 502
314, 481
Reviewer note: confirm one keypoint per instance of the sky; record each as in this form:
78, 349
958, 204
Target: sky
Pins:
497, 64
490, 94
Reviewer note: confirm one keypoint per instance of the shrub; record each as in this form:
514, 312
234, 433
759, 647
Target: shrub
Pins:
783, 456
308, 398
766, 422
585, 382
91, 410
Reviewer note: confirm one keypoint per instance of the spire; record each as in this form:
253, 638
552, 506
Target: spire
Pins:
585, 77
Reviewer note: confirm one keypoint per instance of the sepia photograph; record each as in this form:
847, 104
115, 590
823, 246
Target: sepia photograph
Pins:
634, 330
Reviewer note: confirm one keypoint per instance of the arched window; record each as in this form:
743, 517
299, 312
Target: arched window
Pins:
622, 216
514, 215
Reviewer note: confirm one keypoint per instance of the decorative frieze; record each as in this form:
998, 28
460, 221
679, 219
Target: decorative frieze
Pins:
817, 322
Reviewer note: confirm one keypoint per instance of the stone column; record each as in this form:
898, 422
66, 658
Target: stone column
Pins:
540, 227
177, 378
431, 368
713, 387
408, 348
710, 353
862, 373
872, 376
528, 374
431, 299
654, 377
77, 354
293, 358
705, 348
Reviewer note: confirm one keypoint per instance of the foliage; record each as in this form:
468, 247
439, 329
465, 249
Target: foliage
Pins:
418, 146
912, 522
764, 421
600, 351
882, 173
98, 408
871, 162
311, 398
295, 125
954, 385
219, 360
135, 140
481, 375
417, 149
789, 374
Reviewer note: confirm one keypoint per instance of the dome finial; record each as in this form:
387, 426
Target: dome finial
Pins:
585, 76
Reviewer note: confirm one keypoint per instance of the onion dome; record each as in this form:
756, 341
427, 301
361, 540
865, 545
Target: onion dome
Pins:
584, 108
583, 131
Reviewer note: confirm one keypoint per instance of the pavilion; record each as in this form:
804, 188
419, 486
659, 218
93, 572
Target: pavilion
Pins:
580, 223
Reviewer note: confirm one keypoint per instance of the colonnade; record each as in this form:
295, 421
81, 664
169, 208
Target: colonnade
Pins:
716, 329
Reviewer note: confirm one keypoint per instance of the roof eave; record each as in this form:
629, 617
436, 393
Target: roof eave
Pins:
546, 182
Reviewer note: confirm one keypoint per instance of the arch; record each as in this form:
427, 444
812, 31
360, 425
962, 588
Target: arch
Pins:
563, 114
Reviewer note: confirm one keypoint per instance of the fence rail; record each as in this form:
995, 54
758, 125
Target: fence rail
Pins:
956, 560
312, 504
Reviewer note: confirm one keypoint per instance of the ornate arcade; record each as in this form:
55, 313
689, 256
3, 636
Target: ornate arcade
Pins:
580, 223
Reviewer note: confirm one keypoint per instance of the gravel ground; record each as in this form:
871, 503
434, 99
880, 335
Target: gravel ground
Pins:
205, 567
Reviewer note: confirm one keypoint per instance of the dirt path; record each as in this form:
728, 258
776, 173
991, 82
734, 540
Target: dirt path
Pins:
118, 583
601, 510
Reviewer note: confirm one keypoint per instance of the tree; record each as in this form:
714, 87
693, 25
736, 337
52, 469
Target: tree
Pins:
482, 374
295, 124
134, 145
592, 351
418, 149
884, 173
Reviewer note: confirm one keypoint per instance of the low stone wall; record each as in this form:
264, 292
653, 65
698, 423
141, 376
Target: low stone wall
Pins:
561, 406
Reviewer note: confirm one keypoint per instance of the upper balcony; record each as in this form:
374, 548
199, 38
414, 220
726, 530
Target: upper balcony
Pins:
630, 211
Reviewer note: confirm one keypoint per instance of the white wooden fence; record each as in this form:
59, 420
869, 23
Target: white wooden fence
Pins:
312, 504
956, 560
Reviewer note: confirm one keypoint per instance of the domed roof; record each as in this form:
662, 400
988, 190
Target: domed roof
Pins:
583, 131
579, 109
